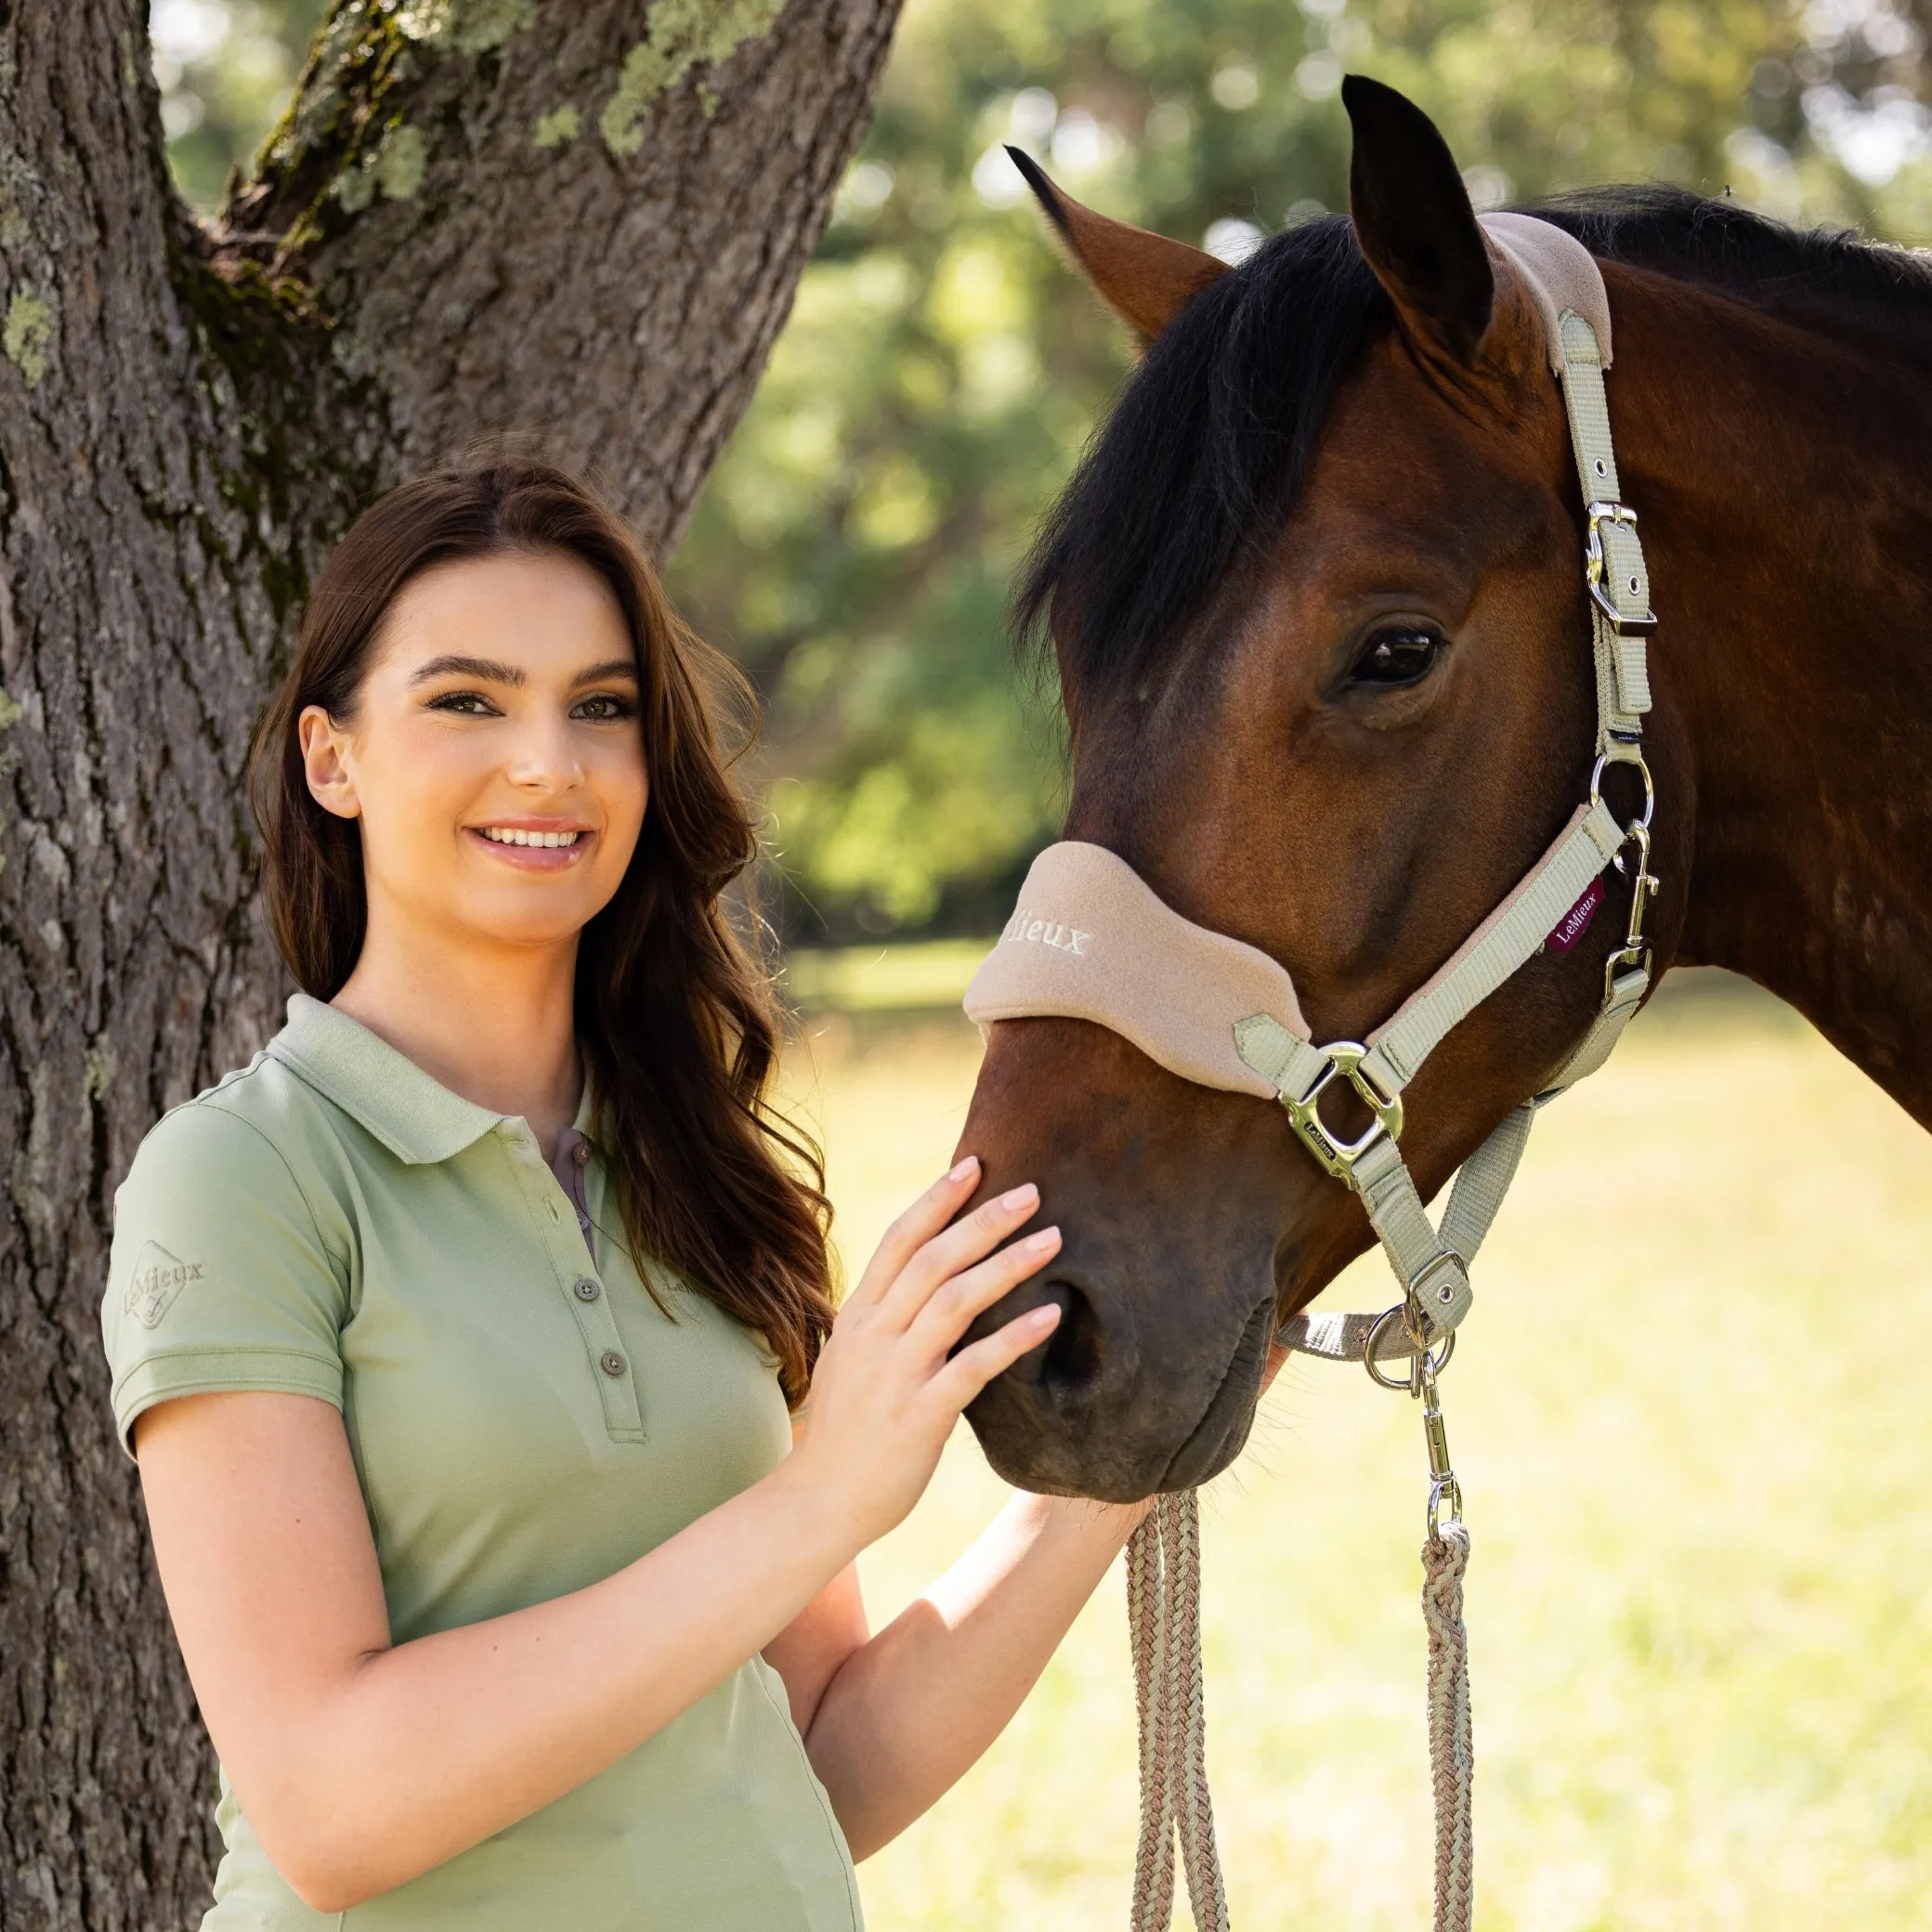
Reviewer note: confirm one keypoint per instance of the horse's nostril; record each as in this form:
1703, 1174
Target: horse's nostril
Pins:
1073, 1359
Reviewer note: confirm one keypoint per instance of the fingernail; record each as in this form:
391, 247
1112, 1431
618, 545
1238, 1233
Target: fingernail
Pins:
1044, 1317
1039, 1244
1020, 1196
964, 1169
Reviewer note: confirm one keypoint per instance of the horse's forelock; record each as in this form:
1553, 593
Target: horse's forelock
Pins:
1204, 455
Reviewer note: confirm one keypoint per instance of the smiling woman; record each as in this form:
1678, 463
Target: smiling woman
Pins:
456, 1335
465, 745
489, 659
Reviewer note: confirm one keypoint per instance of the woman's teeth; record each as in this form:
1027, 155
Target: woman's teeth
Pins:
505, 835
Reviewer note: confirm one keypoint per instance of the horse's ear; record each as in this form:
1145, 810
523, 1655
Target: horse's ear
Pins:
1414, 221
1143, 277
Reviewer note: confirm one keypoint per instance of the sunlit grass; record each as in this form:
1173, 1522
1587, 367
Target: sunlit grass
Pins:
857, 979
1692, 1429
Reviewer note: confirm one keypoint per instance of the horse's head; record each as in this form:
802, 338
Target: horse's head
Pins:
1316, 599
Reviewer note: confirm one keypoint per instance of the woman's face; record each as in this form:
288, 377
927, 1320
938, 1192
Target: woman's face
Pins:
494, 759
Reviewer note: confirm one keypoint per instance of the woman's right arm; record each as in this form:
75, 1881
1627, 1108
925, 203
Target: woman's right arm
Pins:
361, 1765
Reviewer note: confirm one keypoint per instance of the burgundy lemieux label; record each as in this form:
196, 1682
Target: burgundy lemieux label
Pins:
1576, 922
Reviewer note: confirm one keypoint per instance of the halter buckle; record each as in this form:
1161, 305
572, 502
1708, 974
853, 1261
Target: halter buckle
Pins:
1338, 1157
1596, 571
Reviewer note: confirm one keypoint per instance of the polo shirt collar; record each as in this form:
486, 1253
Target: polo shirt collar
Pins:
417, 1118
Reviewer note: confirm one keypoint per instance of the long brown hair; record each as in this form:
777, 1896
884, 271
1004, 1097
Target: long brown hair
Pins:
674, 1019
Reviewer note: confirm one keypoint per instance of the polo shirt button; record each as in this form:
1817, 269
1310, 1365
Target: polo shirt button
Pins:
586, 1290
613, 1362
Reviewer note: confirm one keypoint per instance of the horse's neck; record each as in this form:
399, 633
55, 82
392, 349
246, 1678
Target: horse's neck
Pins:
1786, 486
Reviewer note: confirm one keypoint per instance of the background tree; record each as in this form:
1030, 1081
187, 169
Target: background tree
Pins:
583, 218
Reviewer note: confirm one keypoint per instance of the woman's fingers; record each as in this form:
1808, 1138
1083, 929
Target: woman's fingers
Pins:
914, 1228
964, 1243
972, 1368
954, 1304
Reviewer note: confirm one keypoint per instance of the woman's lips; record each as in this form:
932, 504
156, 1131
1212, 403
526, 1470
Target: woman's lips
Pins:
535, 858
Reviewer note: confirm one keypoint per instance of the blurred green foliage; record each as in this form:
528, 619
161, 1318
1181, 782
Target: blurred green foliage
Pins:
942, 368
226, 69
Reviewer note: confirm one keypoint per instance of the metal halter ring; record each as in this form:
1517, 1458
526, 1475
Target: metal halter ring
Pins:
1436, 1355
1643, 771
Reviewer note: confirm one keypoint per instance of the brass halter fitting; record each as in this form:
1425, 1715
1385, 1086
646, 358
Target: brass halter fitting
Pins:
1338, 1157
1599, 516
1633, 953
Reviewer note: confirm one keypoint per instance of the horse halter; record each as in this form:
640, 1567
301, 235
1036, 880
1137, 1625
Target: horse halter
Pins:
1092, 941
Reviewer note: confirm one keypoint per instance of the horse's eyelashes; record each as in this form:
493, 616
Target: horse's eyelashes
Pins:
1399, 654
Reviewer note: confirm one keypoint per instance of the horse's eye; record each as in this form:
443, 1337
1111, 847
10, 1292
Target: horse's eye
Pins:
1404, 654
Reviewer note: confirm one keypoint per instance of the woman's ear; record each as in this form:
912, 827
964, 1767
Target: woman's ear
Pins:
1143, 277
1414, 223
326, 761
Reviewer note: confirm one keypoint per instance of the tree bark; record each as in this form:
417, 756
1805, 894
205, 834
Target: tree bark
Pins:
584, 219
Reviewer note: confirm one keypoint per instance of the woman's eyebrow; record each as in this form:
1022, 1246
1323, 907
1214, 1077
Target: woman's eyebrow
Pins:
611, 667
486, 668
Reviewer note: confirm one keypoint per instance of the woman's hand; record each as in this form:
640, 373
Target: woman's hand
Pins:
887, 1389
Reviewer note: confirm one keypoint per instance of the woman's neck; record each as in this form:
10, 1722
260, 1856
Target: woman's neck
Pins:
497, 1026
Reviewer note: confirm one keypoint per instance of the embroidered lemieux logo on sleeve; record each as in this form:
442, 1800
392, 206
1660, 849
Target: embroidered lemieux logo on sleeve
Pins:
158, 1277
1023, 928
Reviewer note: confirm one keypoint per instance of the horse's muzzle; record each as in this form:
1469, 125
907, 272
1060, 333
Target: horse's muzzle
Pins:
1169, 1197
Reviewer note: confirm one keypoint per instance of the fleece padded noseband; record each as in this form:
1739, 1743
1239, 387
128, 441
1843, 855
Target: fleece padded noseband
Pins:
1092, 941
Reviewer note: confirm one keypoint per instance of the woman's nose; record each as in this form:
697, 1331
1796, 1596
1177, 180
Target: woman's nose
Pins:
545, 754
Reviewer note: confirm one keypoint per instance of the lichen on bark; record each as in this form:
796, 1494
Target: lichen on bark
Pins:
28, 334
393, 168
481, 26
469, 26
679, 35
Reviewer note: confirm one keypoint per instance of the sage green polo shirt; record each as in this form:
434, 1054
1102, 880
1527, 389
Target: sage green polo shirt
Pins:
525, 1420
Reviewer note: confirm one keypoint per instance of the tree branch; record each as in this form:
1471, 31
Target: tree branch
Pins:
514, 218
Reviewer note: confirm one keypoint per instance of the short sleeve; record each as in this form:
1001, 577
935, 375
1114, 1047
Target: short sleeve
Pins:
218, 1279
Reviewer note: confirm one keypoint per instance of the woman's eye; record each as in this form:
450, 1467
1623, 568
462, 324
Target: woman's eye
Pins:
605, 705
468, 704
1402, 655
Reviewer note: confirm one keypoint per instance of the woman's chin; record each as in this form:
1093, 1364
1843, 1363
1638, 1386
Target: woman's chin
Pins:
537, 913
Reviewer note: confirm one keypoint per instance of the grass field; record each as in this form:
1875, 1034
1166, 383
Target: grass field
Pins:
1695, 1445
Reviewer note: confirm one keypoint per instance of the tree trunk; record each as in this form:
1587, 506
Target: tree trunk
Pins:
583, 218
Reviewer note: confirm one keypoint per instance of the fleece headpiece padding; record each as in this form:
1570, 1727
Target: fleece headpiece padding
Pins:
1091, 941
1560, 273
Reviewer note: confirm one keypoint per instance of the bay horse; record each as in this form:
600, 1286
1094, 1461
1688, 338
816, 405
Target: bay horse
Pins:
1323, 644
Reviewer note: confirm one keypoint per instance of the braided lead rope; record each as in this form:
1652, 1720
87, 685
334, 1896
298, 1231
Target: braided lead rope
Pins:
1451, 1747
1163, 1623
1194, 1808
1153, 1863
1164, 1626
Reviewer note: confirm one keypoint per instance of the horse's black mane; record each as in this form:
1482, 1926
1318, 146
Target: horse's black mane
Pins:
1206, 450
